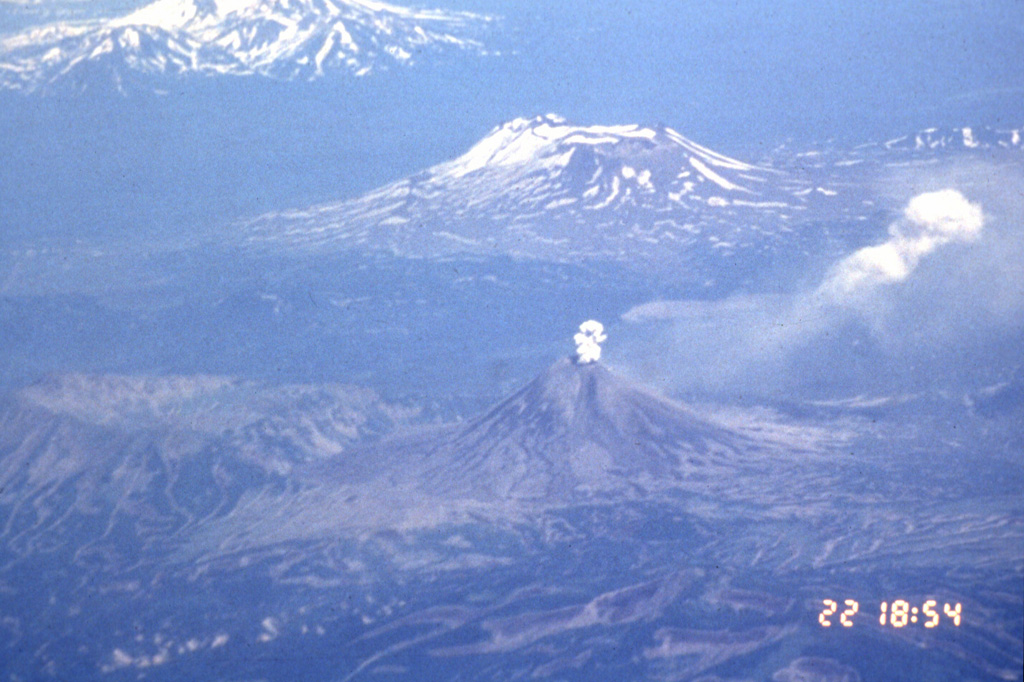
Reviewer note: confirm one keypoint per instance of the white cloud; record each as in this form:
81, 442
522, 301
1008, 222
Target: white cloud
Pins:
588, 342
945, 212
930, 220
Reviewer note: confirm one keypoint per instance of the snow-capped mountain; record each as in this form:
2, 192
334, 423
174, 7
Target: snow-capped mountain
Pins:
648, 197
543, 188
281, 39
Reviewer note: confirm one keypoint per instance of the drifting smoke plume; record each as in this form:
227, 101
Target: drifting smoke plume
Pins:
588, 340
938, 304
929, 221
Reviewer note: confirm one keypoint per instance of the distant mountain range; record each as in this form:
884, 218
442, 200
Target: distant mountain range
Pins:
273, 427
281, 39
969, 138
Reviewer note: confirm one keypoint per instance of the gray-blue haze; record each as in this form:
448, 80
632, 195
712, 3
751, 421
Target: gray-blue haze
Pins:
739, 77
274, 521
111, 169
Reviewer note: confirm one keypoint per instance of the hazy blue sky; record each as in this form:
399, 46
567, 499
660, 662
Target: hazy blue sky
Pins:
739, 76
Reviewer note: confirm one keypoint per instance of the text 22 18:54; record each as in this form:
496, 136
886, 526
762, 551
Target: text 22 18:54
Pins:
900, 614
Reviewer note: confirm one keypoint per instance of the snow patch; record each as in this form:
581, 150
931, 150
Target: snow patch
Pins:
558, 203
713, 176
611, 197
270, 630
969, 140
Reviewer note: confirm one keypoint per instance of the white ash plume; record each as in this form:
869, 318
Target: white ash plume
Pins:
588, 340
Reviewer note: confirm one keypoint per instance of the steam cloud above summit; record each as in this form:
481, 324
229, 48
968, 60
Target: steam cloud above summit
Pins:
588, 340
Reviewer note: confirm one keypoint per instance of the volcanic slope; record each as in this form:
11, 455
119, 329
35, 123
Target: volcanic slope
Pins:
577, 434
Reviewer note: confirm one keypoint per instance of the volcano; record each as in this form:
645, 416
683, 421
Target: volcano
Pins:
546, 189
574, 432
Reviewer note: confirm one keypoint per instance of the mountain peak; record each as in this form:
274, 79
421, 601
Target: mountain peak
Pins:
575, 430
281, 39
168, 14
176, 14
545, 188
572, 397
551, 140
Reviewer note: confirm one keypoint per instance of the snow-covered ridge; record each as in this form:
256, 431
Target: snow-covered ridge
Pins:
524, 140
275, 38
967, 138
322, 418
543, 188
